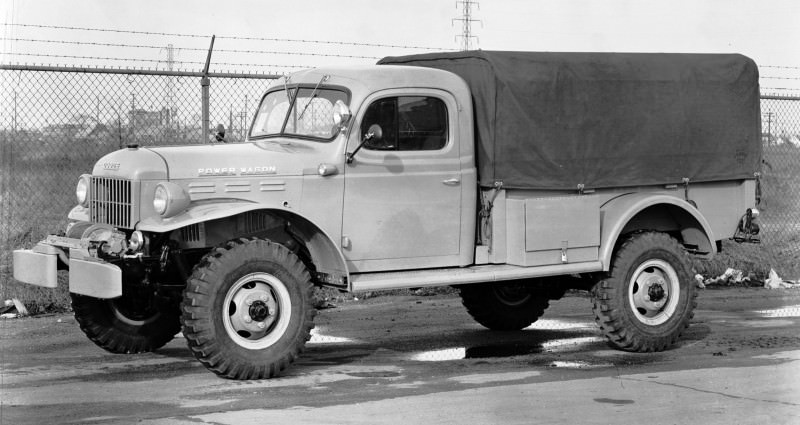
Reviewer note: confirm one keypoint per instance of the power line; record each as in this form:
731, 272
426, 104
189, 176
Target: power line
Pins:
60, 27
780, 78
169, 34
144, 46
341, 43
108, 58
779, 67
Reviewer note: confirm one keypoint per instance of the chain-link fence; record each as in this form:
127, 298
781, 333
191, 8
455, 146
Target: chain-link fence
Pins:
780, 201
56, 123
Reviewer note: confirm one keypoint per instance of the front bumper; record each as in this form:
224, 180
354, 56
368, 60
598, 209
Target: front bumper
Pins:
87, 275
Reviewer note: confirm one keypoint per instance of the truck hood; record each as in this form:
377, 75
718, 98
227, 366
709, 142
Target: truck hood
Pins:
133, 164
278, 158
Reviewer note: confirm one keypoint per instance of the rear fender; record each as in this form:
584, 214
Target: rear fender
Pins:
646, 211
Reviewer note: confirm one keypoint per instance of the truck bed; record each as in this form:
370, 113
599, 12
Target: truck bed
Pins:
600, 120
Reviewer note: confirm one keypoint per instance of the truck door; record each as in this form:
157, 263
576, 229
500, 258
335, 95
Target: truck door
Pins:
402, 202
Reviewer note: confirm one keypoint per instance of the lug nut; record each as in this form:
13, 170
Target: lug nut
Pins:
263, 297
247, 319
248, 301
261, 325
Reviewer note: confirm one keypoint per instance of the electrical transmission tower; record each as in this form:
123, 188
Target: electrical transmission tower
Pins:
466, 23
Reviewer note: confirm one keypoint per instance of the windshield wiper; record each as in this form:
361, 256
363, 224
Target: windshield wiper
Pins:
313, 95
286, 89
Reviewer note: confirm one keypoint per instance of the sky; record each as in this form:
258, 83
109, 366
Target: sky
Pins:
334, 33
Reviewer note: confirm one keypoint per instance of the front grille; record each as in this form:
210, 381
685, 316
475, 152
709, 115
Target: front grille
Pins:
111, 201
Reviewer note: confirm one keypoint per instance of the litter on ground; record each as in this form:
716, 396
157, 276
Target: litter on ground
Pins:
12, 309
774, 281
731, 276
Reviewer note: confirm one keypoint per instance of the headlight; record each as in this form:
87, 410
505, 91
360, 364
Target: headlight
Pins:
82, 190
161, 200
169, 199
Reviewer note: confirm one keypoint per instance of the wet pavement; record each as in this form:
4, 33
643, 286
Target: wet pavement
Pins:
366, 358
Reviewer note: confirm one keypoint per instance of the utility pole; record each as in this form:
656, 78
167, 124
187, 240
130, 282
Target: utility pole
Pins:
466, 23
769, 128
244, 118
133, 117
15, 113
170, 84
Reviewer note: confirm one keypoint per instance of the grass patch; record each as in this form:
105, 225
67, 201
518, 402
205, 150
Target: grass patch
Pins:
39, 300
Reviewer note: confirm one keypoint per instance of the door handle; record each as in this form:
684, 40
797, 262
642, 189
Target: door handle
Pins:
451, 182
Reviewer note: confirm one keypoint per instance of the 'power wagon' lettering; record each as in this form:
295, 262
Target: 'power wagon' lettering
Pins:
232, 171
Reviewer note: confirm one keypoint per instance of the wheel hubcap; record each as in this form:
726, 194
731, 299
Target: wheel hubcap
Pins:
653, 292
258, 309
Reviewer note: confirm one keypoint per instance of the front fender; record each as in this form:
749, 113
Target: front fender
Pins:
649, 209
196, 213
326, 255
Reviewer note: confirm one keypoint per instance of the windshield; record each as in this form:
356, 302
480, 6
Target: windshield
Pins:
298, 112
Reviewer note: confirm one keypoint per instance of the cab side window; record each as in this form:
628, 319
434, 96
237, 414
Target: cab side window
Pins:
409, 123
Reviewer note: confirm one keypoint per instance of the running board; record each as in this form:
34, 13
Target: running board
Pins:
463, 275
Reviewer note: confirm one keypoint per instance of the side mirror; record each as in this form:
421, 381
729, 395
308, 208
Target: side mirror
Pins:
219, 134
373, 134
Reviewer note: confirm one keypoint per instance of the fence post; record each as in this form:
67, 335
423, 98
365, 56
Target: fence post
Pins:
205, 82
6, 217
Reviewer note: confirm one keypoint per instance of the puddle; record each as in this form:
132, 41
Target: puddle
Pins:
569, 344
318, 338
559, 325
501, 351
790, 311
763, 323
447, 354
505, 350
614, 401
494, 377
378, 374
782, 355
579, 365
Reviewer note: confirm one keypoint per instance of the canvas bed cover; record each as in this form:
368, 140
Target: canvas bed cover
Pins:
560, 120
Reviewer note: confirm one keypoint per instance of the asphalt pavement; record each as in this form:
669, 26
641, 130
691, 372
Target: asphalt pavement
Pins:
401, 359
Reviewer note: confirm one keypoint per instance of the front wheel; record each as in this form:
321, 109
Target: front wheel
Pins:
127, 325
648, 298
247, 310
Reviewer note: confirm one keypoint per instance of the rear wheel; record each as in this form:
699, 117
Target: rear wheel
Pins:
247, 310
648, 298
506, 306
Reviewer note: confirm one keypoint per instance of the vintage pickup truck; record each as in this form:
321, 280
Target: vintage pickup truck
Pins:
513, 176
